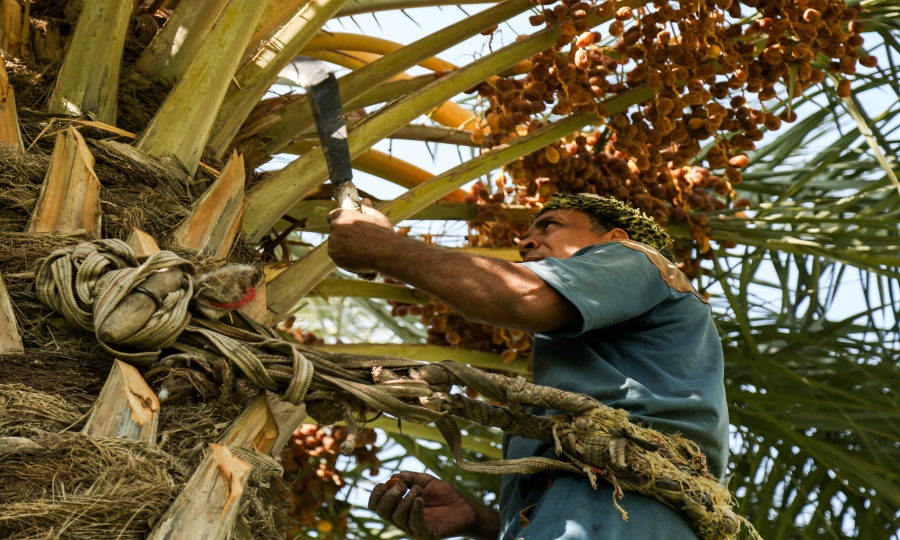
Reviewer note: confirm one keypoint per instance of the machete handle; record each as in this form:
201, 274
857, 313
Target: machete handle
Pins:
348, 199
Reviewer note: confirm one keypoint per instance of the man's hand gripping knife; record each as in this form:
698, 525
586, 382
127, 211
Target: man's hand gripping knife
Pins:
356, 235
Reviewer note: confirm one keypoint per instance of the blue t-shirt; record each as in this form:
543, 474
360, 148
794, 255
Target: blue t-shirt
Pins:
646, 343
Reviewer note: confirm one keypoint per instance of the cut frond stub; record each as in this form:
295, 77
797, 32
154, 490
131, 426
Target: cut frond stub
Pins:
126, 408
10, 133
209, 504
10, 339
69, 201
212, 226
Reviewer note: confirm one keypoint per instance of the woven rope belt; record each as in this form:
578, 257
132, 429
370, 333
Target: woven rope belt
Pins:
90, 283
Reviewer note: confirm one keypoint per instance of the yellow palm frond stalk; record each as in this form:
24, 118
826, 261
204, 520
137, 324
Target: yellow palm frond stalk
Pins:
341, 41
183, 124
256, 75
96, 48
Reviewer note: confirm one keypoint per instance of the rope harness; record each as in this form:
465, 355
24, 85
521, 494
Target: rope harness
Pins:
87, 283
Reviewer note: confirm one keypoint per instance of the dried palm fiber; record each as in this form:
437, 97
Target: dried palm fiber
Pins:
95, 482
136, 192
25, 412
84, 283
68, 485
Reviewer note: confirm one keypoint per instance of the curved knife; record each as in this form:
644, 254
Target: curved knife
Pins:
325, 99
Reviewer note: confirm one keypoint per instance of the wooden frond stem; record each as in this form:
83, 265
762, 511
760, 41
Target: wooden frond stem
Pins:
10, 133
126, 408
183, 124
214, 222
88, 80
288, 417
254, 429
207, 507
10, 339
69, 201
142, 243
256, 76
16, 445
48, 44
11, 40
180, 39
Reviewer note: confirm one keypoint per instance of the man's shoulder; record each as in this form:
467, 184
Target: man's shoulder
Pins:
642, 254
668, 271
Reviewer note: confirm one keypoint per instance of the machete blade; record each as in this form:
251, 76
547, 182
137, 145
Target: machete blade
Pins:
328, 113
325, 99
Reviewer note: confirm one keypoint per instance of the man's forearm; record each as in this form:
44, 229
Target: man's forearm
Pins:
479, 288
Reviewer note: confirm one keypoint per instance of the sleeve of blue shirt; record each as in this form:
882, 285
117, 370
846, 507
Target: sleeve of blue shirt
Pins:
608, 284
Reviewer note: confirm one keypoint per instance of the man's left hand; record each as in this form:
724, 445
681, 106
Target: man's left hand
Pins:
356, 236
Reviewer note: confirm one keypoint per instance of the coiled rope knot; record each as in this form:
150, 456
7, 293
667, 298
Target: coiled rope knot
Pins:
596, 440
137, 309
101, 287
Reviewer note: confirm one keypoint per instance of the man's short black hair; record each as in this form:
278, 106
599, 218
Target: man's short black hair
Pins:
610, 213
599, 223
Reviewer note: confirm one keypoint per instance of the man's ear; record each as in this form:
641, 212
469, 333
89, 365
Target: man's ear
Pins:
616, 234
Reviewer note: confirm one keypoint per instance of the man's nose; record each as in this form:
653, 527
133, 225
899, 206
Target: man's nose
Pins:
527, 244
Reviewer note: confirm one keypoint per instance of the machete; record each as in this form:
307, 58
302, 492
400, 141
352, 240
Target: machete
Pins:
325, 98
328, 113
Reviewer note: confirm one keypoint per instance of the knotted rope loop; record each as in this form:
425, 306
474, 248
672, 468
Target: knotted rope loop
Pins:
87, 282
138, 309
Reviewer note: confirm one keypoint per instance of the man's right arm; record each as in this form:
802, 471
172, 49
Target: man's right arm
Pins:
480, 289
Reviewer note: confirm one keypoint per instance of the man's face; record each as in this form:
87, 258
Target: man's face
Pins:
560, 233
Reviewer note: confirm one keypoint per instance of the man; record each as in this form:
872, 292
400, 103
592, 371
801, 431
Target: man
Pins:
613, 318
